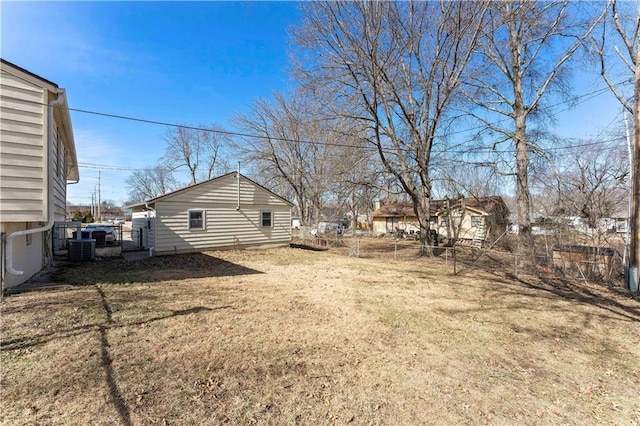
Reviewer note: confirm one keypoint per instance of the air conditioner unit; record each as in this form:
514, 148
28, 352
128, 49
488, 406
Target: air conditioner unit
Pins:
81, 250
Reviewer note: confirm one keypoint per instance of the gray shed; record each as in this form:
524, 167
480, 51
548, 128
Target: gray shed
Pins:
227, 212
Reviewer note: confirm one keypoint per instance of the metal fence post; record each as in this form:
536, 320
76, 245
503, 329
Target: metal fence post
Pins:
395, 250
515, 271
455, 271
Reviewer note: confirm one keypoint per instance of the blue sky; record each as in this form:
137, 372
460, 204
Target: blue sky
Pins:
196, 62
176, 62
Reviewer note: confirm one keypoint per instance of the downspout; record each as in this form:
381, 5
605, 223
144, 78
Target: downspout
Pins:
155, 216
10, 269
238, 186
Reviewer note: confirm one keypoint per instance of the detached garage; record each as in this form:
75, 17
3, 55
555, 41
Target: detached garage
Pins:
227, 212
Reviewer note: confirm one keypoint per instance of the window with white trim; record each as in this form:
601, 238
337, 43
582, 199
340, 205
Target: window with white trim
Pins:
444, 221
266, 219
196, 219
476, 221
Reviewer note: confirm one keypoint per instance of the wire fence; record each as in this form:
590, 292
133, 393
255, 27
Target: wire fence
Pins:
590, 264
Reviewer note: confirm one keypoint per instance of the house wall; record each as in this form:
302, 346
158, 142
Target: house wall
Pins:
23, 138
26, 257
58, 168
225, 227
407, 223
457, 221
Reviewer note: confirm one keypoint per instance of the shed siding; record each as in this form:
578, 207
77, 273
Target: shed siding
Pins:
225, 226
23, 126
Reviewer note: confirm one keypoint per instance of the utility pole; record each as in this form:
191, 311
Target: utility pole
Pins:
99, 200
632, 279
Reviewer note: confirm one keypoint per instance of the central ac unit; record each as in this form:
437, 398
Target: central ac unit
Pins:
81, 250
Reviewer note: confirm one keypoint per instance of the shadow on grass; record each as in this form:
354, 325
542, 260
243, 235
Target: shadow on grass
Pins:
103, 328
569, 290
30, 341
601, 297
153, 269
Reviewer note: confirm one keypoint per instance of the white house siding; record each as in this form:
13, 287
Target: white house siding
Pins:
27, 258
58, 169
23, 125
225, 226
142, 225
455, 221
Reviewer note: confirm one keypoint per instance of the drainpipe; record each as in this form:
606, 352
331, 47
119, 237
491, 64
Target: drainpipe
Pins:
238, 186
10, 269
155, 216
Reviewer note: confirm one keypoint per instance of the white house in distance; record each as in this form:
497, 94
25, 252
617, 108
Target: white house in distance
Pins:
227, 212
37, 161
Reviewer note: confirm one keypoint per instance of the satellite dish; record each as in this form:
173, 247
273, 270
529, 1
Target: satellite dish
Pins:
314, 231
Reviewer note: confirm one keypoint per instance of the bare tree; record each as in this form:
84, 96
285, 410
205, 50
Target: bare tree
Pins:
197, 149
464, 179
213, 139
526, 49
183, 150
394, 68
617, 49
594, 185
292, 150
150, 182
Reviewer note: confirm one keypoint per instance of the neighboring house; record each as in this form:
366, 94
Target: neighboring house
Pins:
473, 219
226, 212
37, 161
393, 217
465, 219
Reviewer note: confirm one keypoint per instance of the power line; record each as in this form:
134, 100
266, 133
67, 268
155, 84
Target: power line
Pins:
582, 98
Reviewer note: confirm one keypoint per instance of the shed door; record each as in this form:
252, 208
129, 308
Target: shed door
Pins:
392, 224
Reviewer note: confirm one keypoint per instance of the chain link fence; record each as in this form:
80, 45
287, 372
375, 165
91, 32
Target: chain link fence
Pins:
588, 263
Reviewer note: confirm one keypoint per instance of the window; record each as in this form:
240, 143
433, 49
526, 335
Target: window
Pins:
196, 219
266, 219
476, 221
444, 221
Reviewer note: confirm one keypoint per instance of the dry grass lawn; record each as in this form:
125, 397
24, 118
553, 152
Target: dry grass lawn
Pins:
290, 336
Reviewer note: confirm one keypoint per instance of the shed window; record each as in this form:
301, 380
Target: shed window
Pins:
266, 220
196, 219
476, 221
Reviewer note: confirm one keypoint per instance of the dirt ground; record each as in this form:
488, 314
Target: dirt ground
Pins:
291, 336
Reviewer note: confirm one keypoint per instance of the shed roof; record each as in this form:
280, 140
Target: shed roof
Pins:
190, 187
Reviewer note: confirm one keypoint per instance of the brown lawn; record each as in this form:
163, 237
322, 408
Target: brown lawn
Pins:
298, 337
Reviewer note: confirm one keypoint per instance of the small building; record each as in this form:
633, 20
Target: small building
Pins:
474, 219
227, 212
37, 162
469, 219
393, 217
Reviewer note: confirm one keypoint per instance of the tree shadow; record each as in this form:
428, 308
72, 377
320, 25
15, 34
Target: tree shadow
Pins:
569, 290
103, 328
147, 270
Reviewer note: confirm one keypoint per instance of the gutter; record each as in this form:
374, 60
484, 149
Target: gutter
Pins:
155, 216
10, 269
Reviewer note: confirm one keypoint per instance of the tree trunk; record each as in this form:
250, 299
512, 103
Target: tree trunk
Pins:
422, 208
523, 197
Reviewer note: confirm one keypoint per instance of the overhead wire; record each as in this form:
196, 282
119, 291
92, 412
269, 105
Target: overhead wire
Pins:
478, 150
